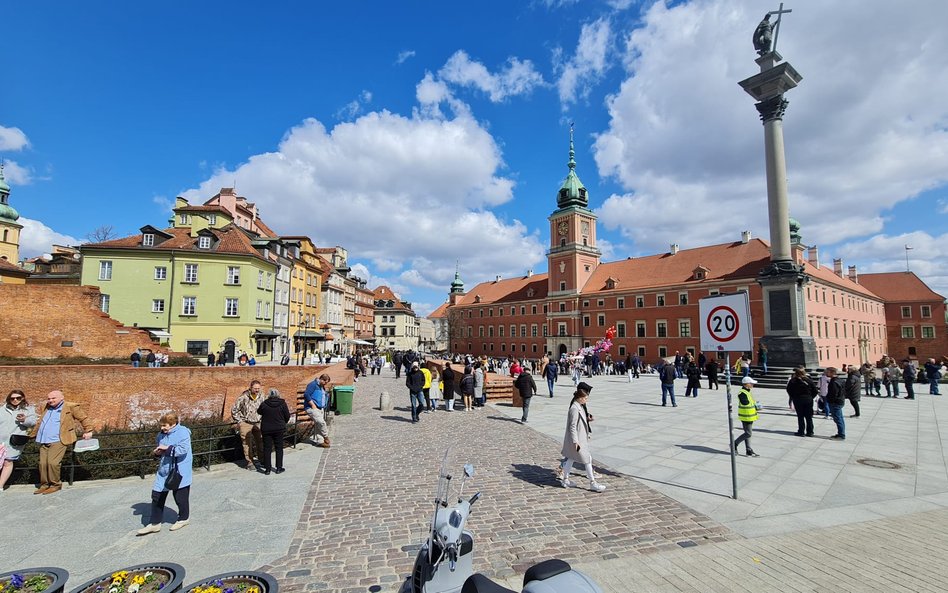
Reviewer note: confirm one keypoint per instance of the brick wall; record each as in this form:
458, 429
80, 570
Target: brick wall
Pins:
496, 386
123, 396
35, 320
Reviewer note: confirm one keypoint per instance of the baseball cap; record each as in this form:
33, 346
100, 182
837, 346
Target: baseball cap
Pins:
748, 381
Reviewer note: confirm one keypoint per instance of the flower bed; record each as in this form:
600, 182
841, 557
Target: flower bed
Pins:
34, 580
144, 578
235, 582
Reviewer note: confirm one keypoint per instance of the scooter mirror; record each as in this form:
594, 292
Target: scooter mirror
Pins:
469, 470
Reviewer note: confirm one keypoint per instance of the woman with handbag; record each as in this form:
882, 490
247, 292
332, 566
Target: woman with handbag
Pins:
16, 419
174, 473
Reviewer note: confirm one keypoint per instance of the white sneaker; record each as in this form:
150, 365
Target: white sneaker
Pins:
597, 487
567, 483
149, 529
179, 524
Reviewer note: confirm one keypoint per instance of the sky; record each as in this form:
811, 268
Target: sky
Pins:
427, 136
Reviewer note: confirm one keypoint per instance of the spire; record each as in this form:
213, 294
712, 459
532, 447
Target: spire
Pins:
457, 287
7, 212
572, 153
572, 192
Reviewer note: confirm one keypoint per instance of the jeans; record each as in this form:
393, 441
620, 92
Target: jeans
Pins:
693, 391
837, 413
668, 390
895, 388
526, 408
181, 498
888, 389
549, 383
933, 386
745, 438
271, 441
417, 404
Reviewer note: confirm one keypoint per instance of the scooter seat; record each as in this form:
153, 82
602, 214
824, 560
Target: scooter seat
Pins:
478, 583
546, 569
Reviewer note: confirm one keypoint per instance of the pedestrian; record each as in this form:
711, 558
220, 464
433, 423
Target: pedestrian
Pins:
479, 398
823, 389
836, 399
210, 359
55, 431
852, 389
17, 417
415, 381
173, 449
436, 387
934, 375
762, 357
314, 402
576, 442
667, 376
802, 390
447, 377
527, 388
679, 361
466, 387
136, 358
747, 414
397, 363
244, 413
693, 372
576, 373
908, 375
895, 376
550, 374
426, 388
887, 381
150, 359
711, 368
274, 414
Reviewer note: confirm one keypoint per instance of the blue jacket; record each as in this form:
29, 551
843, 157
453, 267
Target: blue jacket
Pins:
314, 393
179, 445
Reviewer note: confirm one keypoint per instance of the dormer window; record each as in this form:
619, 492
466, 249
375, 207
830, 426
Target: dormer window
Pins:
564, 193
204, 242
148, 240
700, 273
611, 283
477, 298
582, 192
530, 293
212, 219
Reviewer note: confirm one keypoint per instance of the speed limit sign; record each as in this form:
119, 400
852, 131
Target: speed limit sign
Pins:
725, 323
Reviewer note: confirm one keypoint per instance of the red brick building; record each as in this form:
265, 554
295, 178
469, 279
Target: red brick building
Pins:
914, 313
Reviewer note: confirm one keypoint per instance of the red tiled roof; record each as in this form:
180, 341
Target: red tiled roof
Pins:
899, 286
264, 229
507, 290
7, 267
827, 275
217, 209
441, 312
384, 293
231, 239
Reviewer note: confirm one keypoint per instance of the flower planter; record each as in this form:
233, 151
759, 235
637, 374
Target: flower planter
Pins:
44, 579
246, 581
165, 577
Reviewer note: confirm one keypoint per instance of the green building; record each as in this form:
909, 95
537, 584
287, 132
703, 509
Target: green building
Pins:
200, 286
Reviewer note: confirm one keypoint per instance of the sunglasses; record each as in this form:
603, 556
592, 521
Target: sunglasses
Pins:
16, 397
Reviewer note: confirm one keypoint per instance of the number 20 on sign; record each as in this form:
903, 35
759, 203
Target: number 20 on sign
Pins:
725, 323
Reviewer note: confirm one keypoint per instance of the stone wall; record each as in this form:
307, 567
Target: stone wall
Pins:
37, 320
123, 396
496, 386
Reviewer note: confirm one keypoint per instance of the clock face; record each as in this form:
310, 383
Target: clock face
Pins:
585, 228
563, 228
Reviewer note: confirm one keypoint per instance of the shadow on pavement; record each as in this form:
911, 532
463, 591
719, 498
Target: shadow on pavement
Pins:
397, 418
702, 449
506, 418
534, 474
645, 404
785, 432
143, 510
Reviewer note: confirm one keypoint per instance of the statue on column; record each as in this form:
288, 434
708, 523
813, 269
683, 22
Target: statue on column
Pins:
764, 35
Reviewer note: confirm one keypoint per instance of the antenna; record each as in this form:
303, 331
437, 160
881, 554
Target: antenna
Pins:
907, 249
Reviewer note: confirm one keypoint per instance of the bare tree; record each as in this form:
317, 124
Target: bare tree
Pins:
102, 233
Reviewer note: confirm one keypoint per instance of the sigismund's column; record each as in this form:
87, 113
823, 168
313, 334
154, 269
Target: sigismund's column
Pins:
785, 330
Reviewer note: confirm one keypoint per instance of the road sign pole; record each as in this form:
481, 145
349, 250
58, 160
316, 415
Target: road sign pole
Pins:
730, 426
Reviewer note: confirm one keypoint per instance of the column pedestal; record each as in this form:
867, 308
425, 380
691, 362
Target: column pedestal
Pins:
785, 332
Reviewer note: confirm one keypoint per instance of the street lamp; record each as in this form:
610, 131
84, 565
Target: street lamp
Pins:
301, 324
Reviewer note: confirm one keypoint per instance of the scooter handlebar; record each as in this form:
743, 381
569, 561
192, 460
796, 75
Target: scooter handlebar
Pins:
474, 498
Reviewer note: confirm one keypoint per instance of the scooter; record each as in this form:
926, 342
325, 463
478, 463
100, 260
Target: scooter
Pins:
445, 562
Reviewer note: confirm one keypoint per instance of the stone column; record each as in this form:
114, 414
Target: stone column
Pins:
771, 113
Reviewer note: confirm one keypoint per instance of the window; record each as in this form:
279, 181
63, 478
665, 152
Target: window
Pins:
585, 320
639, 329
684, 328
490, 312
641, 351
105, 270
523, 310
534, 348
546, 331
104, 302
682, 298
148, 239
533, 309
259, 309
230, 307
661, 329
259, 278
620, 329
640, 301
513, 310
585, 304
500, 311
561, 330
600, 303
490, 331
659, 300
513, 331
545, 309
662, 351
562, 285
926, 311
928, 331
500, 331
189, 306
233, 274
196, 348
183, 219
158, 305
620, 303
212, 219
906, 311
533, 330
716, 292
523, 332
562, 307
601, 320
161, 272
908, 331
621, 350
191, 273
204, 242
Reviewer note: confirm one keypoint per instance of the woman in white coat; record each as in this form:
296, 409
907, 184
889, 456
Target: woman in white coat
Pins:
576, 442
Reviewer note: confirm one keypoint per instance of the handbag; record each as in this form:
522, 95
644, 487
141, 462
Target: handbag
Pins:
173, 481
18, 440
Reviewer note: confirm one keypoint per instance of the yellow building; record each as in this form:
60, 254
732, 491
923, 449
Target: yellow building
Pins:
305, 284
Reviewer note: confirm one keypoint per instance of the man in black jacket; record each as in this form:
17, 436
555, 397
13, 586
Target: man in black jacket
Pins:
527, 388
415, 381
836, 399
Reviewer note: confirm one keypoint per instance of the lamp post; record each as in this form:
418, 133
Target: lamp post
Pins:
301, 325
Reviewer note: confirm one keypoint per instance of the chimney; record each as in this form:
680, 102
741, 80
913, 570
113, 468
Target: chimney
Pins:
745, 236
853, 275
813, 256
497, 278
529, 273
838, 267
673, 248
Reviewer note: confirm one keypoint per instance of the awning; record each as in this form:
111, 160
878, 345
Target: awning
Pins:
309, 335
362, 343
265, 333
159, 333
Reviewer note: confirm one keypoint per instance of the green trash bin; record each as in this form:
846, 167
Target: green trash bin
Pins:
343, 395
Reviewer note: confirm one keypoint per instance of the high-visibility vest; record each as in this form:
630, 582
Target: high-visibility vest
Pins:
427, 375
747, 413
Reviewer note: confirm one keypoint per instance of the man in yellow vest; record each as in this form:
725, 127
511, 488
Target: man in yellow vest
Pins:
747, 414
427, 388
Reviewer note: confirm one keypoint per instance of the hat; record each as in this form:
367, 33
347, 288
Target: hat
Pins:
585, 387
748, 381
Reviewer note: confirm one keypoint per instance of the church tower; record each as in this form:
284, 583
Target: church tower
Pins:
573, 255
457, 287
9, 228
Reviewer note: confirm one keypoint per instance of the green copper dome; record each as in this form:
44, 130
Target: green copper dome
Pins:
795, 236
7, 212
457, 286
572, 192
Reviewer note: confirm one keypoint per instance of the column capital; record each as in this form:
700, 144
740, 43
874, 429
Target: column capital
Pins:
773, 108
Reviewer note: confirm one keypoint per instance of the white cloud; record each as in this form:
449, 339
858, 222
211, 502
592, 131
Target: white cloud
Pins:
16, 174
685, 141
354, 107
886, 253
588, 64
13, 139
404, 55
36, 238
517, 77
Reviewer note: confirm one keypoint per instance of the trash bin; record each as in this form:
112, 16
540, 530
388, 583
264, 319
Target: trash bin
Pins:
343, 395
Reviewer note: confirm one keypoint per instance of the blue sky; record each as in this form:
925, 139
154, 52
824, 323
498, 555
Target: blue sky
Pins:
418, 134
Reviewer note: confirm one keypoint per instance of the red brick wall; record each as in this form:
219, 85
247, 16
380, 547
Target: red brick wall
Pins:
36, 319
123, 396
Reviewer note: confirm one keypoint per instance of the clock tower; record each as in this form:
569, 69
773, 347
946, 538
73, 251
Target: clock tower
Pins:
573, 255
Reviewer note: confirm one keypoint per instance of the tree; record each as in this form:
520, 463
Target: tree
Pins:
102, 233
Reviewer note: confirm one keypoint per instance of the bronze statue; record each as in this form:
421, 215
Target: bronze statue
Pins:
764, 35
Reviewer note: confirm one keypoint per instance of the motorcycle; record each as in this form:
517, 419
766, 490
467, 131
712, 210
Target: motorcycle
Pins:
445, 561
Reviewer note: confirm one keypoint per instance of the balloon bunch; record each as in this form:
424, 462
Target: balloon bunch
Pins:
602, 345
